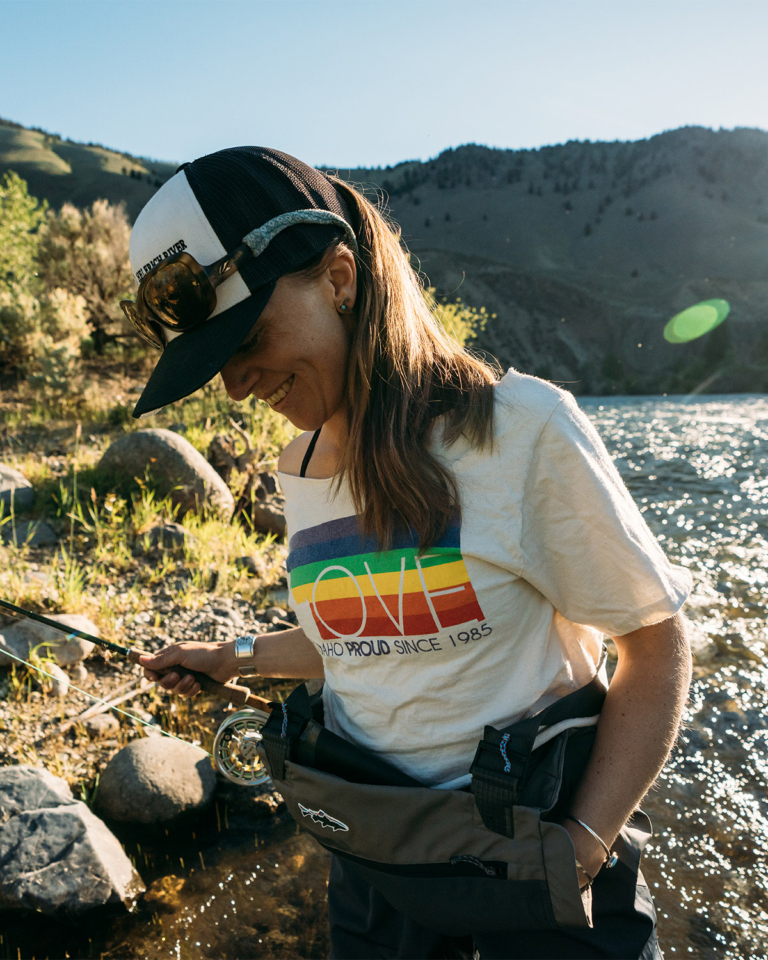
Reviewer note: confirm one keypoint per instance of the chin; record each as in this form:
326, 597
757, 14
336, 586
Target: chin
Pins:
306, 421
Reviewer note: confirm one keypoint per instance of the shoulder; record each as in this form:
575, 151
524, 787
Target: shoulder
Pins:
525, 404
292, 456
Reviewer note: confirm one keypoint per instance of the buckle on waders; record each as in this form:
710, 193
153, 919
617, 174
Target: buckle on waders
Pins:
497, 769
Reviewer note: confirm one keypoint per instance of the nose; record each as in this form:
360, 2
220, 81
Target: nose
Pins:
240, 376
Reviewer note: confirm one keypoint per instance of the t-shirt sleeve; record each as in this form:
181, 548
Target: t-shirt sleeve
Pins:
585, 544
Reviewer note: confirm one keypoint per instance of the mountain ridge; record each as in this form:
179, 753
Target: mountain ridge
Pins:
583, 250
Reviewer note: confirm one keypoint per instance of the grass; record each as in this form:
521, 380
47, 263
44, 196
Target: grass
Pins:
102, 565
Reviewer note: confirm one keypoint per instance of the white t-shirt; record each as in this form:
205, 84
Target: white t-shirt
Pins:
500, 618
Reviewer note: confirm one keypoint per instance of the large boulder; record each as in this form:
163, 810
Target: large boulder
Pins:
268, 516
25, 636
32, 533
155, 780
174, 464
55, 855
15, 490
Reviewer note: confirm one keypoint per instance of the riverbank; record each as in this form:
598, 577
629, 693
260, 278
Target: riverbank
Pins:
215, 580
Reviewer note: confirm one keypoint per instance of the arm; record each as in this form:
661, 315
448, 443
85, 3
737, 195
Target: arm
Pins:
288, 653
638, 726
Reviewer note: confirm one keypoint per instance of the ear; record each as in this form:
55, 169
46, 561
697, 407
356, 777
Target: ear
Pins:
342, 276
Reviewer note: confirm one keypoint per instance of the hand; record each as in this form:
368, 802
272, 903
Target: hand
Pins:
215, 659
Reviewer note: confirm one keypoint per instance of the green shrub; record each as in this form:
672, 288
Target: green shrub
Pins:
85, 252
41, 328
463, 322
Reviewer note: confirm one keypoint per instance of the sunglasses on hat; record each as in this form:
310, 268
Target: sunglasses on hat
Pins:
179, 293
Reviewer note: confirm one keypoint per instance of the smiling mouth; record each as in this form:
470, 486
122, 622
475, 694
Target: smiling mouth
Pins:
282, 392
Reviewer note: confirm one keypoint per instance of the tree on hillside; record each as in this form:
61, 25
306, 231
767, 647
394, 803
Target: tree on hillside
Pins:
86, 253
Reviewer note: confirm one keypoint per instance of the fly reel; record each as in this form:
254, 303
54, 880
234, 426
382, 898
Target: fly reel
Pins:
235, 749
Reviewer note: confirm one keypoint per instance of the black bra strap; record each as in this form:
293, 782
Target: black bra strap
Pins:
308, 454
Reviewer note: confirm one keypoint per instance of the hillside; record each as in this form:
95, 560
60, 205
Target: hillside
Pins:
582, 250
63, 171
585, 250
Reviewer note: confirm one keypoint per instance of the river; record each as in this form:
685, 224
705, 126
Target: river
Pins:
698, 469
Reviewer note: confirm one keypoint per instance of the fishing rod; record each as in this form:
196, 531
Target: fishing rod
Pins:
235, 747
230, 692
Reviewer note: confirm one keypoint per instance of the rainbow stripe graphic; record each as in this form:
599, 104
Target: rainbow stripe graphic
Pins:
355, 591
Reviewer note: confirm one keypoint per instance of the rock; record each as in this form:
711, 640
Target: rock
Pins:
268, 516
16, 492
21, 638
174, 464
253, 566
30, 788
167, 536
36, 577
229, 613
268, 486
254, 802
144, 719
154, 780
102, 725
274, 613
55, 855
78, 674
164, 895
33, 533
57, 681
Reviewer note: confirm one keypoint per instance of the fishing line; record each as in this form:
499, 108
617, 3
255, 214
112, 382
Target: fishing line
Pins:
92, 696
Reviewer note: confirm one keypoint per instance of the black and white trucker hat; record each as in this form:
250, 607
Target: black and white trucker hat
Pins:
206, 209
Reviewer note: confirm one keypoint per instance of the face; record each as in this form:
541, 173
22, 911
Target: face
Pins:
295, 357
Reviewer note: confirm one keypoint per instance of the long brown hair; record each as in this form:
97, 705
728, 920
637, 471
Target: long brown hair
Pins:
404, 371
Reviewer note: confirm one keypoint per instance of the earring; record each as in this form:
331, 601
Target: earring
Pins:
343, 306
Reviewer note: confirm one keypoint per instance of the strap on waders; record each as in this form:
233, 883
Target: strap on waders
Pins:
502, 755
283, 727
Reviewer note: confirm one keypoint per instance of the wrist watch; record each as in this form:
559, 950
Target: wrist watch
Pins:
244, 650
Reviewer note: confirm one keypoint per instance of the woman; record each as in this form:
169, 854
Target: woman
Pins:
458, 545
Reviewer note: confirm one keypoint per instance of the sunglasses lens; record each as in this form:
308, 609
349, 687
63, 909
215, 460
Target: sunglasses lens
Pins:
144, 328
176, 296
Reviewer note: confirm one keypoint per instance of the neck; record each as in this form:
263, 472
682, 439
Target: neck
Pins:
335, 432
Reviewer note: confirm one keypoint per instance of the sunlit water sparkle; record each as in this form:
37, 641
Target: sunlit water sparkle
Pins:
698, 468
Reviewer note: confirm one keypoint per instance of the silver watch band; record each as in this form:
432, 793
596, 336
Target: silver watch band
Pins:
244, 646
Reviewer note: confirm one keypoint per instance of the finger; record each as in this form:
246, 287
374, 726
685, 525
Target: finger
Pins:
169, 680
166, 658
151, 675
185, 685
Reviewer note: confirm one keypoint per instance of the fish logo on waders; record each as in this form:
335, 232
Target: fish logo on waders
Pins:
321, 817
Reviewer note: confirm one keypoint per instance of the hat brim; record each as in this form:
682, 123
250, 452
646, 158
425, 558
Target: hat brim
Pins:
193, 359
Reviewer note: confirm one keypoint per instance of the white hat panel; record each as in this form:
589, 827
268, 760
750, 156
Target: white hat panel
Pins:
173, 222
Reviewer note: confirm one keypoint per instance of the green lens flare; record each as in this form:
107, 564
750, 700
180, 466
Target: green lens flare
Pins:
696, 321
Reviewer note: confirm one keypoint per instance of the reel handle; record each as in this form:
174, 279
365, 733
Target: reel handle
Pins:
231, 692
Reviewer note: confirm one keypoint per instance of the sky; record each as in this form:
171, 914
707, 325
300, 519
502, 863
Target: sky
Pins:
350, 83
